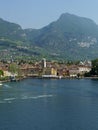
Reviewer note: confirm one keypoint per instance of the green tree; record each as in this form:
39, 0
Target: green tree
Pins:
94, 70
13, 68
1, 73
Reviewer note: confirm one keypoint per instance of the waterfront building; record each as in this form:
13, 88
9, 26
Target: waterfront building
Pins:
50, 71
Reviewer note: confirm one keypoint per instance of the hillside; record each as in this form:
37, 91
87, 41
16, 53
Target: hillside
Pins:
70, 37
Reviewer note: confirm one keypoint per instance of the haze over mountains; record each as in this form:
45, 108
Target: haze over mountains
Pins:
69, 38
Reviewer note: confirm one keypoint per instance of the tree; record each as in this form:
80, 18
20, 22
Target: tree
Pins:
1, 73
13, 68
94, 70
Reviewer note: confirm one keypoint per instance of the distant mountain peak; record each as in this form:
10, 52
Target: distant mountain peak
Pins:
70, 37
69, 16
66, 15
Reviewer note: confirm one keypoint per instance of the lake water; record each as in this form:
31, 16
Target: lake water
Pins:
44, 104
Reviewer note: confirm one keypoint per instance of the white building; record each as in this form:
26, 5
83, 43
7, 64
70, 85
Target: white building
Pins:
44, 63
83, 69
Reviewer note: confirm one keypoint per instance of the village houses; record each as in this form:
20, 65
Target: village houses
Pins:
47, 68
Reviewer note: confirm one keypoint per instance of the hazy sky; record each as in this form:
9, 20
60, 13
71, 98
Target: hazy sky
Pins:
39, 13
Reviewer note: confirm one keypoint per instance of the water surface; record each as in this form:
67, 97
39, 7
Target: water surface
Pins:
40, 104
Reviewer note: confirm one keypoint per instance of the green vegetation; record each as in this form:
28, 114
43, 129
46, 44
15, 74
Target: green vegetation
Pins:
94, 70
13, 68
4, 78
69, 38
1, 73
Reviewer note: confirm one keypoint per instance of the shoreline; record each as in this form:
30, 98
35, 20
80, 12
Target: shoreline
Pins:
40, 77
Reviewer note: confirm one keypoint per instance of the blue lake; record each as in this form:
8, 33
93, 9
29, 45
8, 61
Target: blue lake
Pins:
49, 104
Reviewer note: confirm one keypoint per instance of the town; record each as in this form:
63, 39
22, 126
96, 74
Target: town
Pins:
43, 69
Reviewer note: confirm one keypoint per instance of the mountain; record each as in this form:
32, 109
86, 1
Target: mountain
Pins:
70, 37
13, 41
11, 31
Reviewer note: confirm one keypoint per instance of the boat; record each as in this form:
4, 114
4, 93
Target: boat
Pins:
12, 78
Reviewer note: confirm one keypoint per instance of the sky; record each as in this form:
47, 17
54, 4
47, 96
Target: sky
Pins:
39, 13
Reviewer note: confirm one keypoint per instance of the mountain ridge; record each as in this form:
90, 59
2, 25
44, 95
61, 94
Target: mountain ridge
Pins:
70, 37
